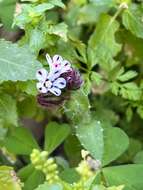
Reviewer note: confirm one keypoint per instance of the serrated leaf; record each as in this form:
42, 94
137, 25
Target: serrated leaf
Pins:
55, 134
17, 63
102, 46
8, 110
128, 175
127, 76
132, 19
20, 141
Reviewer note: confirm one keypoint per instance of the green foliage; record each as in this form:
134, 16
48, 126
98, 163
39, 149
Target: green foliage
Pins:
7, 8
126, 175
103, 40
16, 63
55, 134
15, 141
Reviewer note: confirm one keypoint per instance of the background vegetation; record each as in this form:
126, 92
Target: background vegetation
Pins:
104, 41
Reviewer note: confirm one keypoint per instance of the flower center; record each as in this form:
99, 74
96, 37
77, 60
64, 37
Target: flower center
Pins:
48, 84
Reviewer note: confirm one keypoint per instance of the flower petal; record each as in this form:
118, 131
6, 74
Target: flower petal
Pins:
41, 74
60, 83
55, 91
66, 66
41, 88
57, 59
54, 74
49, 60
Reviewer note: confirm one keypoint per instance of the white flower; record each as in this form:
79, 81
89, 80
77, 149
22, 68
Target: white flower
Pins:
57, 65
52, 82
46, 84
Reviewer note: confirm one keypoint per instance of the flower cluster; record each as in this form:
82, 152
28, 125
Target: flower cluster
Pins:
44, 164
60, 76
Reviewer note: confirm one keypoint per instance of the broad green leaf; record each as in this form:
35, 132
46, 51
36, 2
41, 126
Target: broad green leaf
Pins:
138, 159
20, 141
8, 179
115, 144
55, 134
134, 147
34, 180
70, 175
91, 138
25, 172
128, 175
72, 148
47, 186
97, 140
132, 19
7, 8
17, 63
102, 46
8, 110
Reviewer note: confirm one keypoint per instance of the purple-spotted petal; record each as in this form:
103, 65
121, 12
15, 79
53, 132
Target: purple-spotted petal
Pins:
55, 91
57, 59
54, 74
41, 88
66, 66
60, 83
41, 74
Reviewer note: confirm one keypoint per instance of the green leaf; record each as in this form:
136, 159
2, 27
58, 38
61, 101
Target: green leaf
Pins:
91, 138
55, 134
138, 159
70, 175
128, 175
16, 63
97, 140
78, 106
20, 141
58, 3
34, 180
127, 76
90, 13
8, 110
8, 180
102, 46
115, 143
72, 148
7, 8
47, 186
37, 40
25, 172
132, 19
59, 30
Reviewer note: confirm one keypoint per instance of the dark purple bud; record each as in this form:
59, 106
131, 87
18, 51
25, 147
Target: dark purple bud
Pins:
73, 79
51, 101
